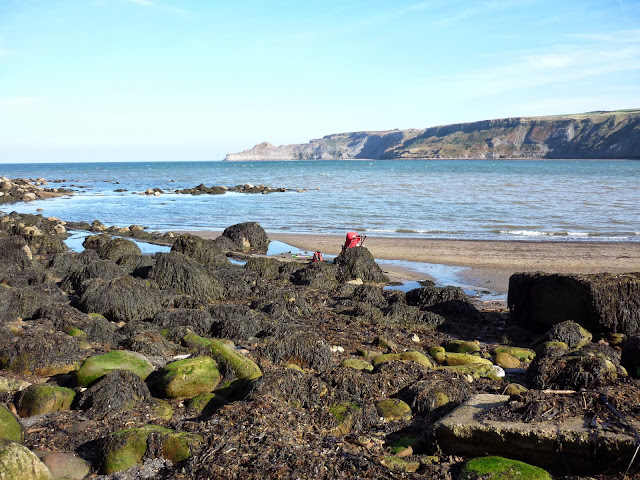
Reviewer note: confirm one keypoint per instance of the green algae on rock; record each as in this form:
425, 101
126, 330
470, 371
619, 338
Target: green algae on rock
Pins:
188, 378
95, 367
41, 399
19, 463
405, 357
10, 427
392, 409
499, 468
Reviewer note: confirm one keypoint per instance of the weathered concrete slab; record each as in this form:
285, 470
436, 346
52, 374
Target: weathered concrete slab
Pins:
569, 445
602, 302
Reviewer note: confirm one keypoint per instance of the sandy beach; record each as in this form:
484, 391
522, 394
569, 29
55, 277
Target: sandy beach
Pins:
490, 263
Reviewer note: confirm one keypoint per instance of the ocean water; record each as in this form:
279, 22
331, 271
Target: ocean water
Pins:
551, 200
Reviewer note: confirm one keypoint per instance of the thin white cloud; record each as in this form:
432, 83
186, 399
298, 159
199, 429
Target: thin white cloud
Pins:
144, 3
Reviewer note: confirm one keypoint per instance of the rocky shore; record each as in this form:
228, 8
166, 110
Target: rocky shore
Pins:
23, 189
120, 365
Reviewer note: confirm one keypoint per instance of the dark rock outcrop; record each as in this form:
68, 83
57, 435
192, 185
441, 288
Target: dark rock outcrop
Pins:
248, 236
600, 303
357, 263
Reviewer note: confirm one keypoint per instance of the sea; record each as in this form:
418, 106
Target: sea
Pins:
540, 200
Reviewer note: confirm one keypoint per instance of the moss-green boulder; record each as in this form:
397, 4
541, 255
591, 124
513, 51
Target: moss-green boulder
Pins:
19, 463
206, 403
98, 366
194, 342
126, 448
522, 354
499, 468
462, 346
453, 359
405, 357
10, 428
356, 364
243, 367
343, 412
40, 399
188, 378
476, 370
400, 464
506, 361
392, 409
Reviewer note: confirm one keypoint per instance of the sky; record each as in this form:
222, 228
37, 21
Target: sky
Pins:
127, 80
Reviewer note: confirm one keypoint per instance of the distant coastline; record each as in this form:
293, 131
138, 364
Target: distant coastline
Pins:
588, 136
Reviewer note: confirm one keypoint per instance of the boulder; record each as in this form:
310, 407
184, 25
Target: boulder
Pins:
264, 267
101, 269
393, 409
445, 301
439, 390
97, 366
117, 248
601, 302
177, 271
187, 378
121, 300
404, 357
289, 385
114, 393
411, 316
200, 250
41, 399
569, 332
10, 427
19, 463
40, 350
66, 466
199, 321
500, 468
318, 275
301, 347
237, 322
282, 303
232, 364
357, 263
248, 236
126, 448
14, 250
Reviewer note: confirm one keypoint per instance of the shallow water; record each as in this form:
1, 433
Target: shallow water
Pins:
538, 200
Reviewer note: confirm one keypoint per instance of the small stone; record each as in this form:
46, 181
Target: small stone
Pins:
507, 361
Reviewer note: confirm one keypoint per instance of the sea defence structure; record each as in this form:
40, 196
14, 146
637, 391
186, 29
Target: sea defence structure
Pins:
593, 135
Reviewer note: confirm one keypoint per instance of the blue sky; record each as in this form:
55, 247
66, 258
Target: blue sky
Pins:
96, 80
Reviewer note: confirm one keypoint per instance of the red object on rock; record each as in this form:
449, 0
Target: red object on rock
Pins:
354, 239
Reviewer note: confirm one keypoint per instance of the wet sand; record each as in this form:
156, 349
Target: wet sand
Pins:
490, 263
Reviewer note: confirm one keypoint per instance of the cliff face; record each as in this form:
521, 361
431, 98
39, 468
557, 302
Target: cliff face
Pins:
589, 135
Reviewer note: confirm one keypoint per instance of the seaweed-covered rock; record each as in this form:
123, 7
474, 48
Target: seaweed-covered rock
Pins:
98, 366
248, 236
574, 370
569, 332
297, 388
177, 271
19, 463
126, 448
301, 347
122, 299
442, 300
282, 304
102, 269
14, 250
115, 392
94, 242
357, 263
393, 409
147, 339
411, 316
599, 302
264, 267
10, 427
199, 321
318, 275
40, 350
41, 399
200, 250
462, 346
440, 390
117, 248
237, 322
66, 318
66, 263
187, 378
24, 302
236, 281
371, 295
631, 355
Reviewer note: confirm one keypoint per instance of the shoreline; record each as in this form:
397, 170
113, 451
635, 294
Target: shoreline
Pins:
488, 263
